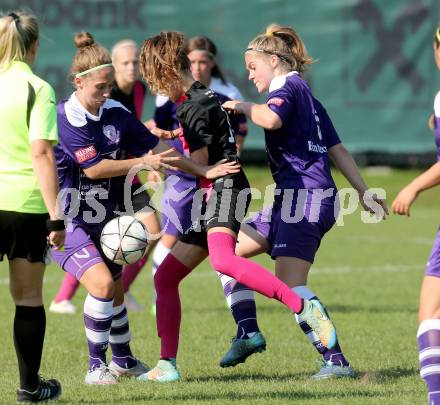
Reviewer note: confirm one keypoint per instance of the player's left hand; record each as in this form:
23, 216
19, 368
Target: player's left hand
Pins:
56, 239
403, 201
221, 168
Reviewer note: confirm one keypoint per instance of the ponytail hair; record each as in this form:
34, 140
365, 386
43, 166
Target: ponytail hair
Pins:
202, 43
437, 37
285, 43
89, 54
18, 32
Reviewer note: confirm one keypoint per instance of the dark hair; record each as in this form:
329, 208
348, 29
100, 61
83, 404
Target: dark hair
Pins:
202, 43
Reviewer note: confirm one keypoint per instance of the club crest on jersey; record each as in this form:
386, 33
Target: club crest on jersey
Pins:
276, 100
111, 133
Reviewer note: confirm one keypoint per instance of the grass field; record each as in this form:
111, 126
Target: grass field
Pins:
368, 275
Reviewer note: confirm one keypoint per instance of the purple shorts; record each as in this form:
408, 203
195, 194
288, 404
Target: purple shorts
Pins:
82, 250
433, 265
176, 204
299, 239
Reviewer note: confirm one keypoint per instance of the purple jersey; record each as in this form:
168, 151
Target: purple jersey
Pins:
85, 140
165, 118
437, 123
297, 152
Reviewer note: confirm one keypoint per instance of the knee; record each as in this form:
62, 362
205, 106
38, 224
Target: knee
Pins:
215, 262
103, 288
165, 279
219, 263
27, 295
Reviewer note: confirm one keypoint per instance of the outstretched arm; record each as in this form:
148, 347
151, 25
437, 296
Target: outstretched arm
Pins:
259, 114
43, 162
199, 169
403, 201
348, 167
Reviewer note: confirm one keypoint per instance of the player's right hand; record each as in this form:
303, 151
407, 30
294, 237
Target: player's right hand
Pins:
222, 168
161, 160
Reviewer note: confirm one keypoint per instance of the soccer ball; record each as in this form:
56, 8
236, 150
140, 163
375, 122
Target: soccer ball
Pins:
124, 240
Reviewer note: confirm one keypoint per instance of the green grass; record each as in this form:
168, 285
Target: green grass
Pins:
367, 274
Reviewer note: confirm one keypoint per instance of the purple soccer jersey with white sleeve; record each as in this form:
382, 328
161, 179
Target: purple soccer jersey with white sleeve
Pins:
297, 151
84, 141
298, 158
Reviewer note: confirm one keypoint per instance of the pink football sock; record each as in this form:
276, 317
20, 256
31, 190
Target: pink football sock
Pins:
168, 311
131, 271
223, 259
67, 289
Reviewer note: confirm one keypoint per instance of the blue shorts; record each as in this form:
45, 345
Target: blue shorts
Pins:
300, 239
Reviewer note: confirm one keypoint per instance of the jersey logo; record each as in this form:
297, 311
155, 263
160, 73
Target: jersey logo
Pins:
110, 132
276, 100
84, 154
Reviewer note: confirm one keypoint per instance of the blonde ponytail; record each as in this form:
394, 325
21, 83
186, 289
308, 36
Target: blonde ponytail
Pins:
18, 32
285, 43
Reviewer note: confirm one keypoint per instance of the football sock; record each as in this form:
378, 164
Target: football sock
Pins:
335, 354
222, 256
98, 314
131, 271
428, 336
159, 254
120, 338
29, 329
241, 301
168, 310
67, 289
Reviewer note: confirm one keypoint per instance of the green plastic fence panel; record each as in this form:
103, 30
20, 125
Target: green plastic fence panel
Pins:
374, 68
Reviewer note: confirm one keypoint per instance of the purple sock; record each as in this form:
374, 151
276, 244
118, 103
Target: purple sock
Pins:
241, 301
98, 314
428, 336
120, 338
334, 355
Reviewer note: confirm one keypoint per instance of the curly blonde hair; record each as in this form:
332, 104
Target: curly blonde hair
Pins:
163, 60
285, 43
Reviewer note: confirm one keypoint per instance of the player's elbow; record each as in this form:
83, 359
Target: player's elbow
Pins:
92, 173
272, 123
41, 149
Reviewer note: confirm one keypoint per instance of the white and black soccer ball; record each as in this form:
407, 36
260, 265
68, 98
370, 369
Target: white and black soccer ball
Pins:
124, 240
